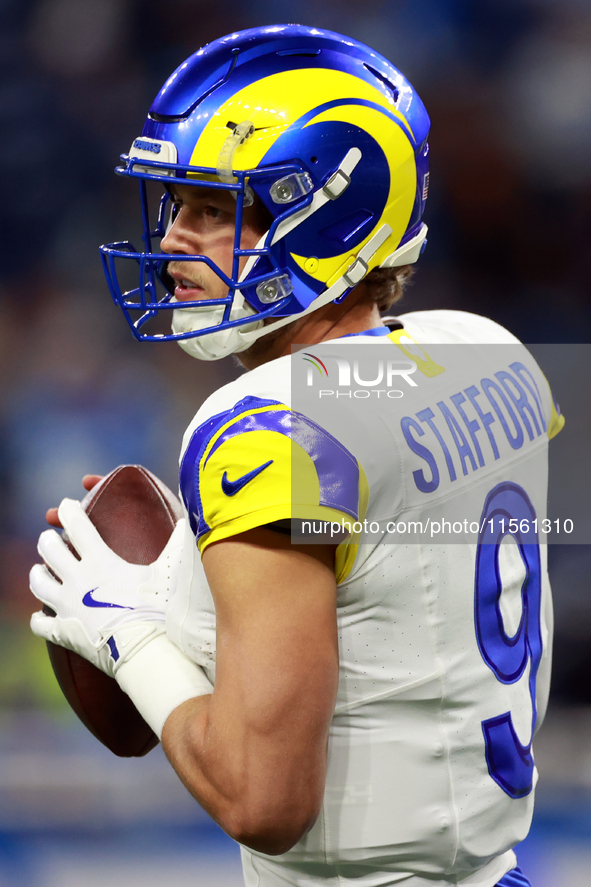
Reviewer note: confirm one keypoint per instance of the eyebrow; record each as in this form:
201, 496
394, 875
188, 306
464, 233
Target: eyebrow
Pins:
199, 190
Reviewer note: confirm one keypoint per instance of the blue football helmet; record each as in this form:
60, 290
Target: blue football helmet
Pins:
325, 132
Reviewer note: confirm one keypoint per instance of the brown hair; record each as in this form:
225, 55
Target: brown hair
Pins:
385, 286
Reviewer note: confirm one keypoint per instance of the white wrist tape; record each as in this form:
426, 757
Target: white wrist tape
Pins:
158, 678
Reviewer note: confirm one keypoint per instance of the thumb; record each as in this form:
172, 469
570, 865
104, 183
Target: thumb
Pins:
43, 626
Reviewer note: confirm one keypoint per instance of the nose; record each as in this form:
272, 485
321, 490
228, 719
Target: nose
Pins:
180, 237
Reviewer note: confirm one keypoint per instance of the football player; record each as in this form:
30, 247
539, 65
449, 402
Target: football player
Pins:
360, 710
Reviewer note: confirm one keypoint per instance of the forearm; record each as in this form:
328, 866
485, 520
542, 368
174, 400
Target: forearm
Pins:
254, 751
262, 779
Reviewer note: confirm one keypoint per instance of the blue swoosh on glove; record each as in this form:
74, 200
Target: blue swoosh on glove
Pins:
231, 487
89, 601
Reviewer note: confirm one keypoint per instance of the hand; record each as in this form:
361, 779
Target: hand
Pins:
88, 482
106, 609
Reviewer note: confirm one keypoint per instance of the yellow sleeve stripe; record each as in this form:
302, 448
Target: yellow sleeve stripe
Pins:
557, 422
235, 418
269, 516
346, 552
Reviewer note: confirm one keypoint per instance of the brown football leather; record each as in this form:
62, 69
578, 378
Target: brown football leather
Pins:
135, 514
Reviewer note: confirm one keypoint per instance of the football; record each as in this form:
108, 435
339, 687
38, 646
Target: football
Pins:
135, 514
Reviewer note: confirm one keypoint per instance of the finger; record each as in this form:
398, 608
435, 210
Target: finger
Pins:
52, 518
45, 588
43, 626
79, 528
91, 480
56, 553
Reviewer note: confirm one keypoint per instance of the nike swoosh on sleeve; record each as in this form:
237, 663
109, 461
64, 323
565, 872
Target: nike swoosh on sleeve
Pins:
231, 487
89, 601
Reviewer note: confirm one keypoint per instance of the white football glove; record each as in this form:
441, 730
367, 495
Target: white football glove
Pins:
106, 608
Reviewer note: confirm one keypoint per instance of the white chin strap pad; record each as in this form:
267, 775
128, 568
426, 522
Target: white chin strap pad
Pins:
221, 343
352, 276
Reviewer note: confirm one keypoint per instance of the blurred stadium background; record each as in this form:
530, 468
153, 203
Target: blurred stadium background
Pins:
508, 87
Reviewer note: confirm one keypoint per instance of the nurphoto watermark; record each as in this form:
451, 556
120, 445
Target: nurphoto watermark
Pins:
395, 441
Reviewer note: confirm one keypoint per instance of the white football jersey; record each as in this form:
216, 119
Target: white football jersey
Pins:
444, 645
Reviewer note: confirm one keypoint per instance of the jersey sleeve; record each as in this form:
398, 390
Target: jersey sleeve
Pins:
556, 423
261, 462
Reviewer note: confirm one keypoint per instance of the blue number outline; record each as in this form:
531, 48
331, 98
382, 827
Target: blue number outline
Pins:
510, 763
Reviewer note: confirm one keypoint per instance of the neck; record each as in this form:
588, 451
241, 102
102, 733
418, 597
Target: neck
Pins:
356, 314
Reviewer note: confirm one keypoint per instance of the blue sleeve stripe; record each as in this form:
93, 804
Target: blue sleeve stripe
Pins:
336, 468
514, 878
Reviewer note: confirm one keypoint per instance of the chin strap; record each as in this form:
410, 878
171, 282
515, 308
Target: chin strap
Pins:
338, 182
408, 253
352, 276
333, 188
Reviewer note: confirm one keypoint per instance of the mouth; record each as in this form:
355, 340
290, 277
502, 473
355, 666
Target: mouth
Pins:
186, 290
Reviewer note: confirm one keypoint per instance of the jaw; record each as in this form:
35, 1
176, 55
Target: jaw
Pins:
307, 330
266, 348
357, 313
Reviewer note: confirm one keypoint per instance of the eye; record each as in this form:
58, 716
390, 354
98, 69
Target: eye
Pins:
214, 212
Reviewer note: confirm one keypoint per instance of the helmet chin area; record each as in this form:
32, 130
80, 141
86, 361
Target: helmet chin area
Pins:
220, 343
